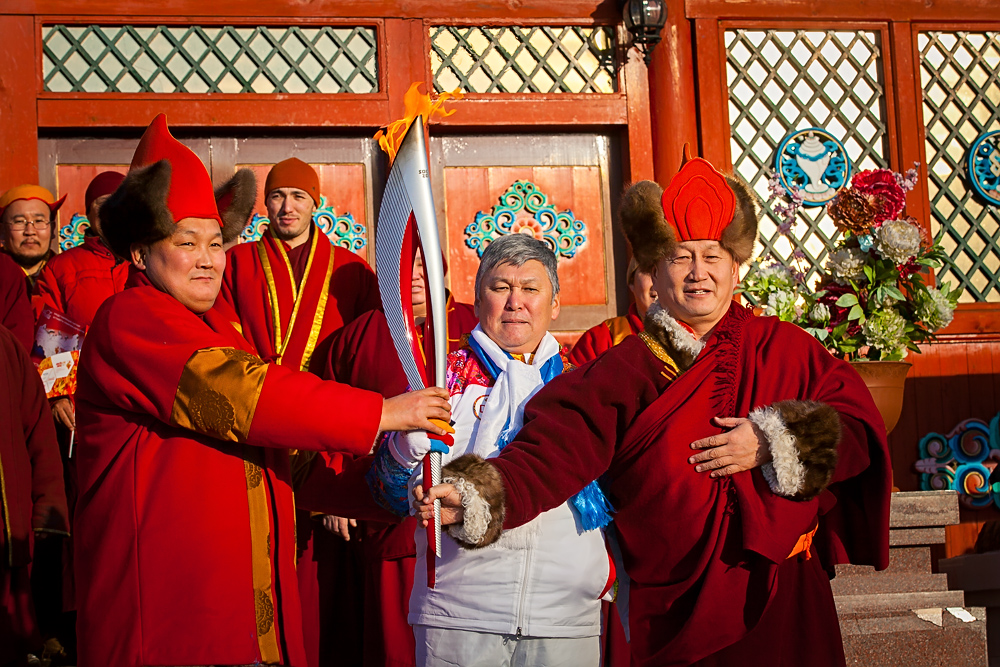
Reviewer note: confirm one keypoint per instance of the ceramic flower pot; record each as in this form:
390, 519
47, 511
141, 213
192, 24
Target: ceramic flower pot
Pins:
885, 381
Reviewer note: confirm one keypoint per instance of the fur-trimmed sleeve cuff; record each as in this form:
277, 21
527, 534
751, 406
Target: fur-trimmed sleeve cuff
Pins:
483, 499
803, 438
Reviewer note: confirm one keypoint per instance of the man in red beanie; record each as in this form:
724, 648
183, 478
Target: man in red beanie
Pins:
27, 220
727, 555
184, 528
292, 290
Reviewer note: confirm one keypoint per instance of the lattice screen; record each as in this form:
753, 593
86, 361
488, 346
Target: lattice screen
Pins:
784, 80
209, 59
959, 75
538, 59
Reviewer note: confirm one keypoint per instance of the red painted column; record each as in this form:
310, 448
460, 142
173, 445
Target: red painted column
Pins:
672, 104
18, 94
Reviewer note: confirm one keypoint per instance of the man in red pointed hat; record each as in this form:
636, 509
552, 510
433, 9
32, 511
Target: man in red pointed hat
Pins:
27, 220
728, 553
184, 530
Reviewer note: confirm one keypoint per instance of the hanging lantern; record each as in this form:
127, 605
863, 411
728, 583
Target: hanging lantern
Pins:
644, 19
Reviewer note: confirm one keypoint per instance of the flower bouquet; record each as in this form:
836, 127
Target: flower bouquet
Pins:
871, 302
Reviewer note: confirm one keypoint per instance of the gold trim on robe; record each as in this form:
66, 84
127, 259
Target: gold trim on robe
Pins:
272, 292
218, 392
317, 323
260, 549
619, 327
660, 353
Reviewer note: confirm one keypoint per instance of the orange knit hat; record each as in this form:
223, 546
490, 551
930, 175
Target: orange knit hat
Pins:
293, 173
30, 192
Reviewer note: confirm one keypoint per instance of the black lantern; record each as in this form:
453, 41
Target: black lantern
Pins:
644, 19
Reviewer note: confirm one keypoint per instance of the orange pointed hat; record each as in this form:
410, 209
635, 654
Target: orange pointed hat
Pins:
31, 192
700, 203
166, 183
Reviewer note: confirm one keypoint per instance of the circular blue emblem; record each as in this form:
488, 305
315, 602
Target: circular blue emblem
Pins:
814, 161
984, 166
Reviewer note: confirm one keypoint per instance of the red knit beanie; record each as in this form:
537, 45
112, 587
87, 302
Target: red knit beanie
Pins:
293, 173
104, 183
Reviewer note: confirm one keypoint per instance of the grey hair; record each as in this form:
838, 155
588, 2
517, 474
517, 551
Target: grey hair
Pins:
517, 249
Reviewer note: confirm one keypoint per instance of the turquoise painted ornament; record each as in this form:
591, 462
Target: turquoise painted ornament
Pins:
524, 209
73, 234
815, 162
963, 460
984, 166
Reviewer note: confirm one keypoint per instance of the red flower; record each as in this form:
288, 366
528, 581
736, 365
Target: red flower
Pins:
881, 184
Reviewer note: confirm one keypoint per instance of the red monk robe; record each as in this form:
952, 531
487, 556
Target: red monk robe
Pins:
290, 321
711, 580
31, 485
76, 282
15, 306
184, 525
362, 355
604, 336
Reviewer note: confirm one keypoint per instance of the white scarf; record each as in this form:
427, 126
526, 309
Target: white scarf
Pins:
516, 383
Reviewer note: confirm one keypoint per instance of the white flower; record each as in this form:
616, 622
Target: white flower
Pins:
846, 264
820, 314
934, 309
886, 332
898, 240
782, 305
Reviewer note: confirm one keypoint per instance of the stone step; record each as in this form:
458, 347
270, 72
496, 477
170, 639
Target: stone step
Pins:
907, 639
870, 604
901, 559
888, 582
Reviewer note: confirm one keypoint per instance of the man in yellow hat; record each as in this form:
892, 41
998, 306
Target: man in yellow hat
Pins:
27, 215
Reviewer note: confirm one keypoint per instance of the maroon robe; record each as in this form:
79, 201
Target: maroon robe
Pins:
15, 306
711, 580
363, 356
31, 485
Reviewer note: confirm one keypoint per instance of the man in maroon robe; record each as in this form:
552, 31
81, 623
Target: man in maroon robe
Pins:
185, 522
730, 567
31, 486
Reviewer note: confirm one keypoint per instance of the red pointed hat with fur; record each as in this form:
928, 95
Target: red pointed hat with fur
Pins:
166, 183
700, 203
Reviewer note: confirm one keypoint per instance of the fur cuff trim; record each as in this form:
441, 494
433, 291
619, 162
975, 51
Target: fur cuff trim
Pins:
483, 499
803, 438
679, 343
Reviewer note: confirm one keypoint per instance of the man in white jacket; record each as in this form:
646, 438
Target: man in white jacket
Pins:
533, 598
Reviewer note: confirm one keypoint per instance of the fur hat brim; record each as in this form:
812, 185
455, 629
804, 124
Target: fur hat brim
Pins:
137, 211
235, 200
652, 238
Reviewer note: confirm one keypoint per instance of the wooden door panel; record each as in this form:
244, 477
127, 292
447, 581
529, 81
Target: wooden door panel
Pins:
554, 187
468, 188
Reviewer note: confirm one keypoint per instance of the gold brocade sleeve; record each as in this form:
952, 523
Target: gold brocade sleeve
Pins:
218, 393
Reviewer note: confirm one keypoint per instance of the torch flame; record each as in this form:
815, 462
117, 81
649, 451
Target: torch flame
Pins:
416, 104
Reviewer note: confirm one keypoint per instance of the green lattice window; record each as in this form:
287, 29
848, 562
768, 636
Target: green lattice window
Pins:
539, 59
961, 84
786, 80
208, 59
